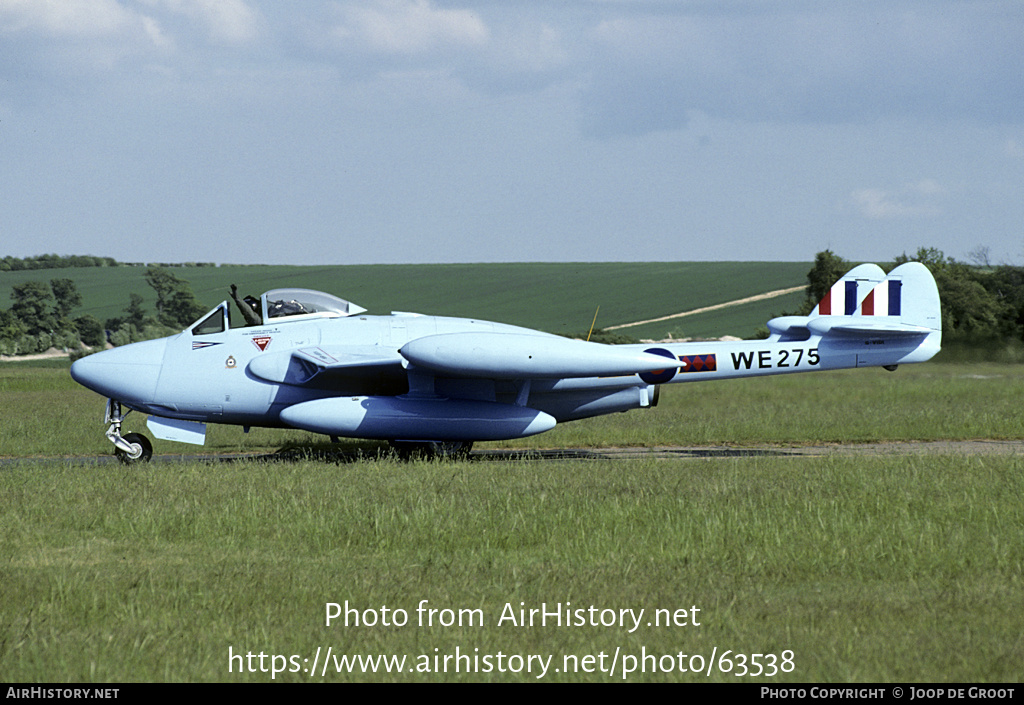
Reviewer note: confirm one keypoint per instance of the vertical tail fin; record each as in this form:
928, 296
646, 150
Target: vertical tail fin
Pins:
866, 301
845, 296
908, 296
884, 300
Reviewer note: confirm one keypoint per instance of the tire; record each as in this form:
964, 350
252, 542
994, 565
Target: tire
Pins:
430, 450
145, 450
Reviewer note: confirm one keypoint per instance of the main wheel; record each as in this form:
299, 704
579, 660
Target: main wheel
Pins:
442, 450
142, 450
455, 450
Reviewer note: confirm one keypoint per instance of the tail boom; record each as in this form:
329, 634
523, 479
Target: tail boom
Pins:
866, 319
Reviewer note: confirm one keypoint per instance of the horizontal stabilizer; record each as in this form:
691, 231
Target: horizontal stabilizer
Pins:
789, 328
848, 325
515, 356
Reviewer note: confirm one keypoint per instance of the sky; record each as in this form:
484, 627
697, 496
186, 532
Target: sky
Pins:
412, 131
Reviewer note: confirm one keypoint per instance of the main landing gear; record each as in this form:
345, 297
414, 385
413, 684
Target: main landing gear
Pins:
130, 448
446, 450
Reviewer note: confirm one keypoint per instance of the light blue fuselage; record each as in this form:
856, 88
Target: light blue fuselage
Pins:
316, 363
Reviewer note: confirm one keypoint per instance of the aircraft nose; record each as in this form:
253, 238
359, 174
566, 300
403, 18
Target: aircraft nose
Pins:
128, 373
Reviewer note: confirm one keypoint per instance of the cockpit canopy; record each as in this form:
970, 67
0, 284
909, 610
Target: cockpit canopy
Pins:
279, 306
278, 303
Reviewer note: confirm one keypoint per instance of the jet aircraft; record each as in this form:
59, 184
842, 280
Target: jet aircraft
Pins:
309, 360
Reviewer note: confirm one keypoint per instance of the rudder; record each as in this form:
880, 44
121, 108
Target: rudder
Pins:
908, 295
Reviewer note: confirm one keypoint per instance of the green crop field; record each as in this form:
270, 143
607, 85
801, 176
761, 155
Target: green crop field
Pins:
748, 566
560, 298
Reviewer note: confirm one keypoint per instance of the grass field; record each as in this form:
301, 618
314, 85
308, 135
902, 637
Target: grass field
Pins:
560, 298
46, 414
878, 569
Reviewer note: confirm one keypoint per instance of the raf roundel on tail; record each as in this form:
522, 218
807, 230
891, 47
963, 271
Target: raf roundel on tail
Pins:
311, 361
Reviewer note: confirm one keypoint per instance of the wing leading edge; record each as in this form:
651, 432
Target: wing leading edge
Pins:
324, 365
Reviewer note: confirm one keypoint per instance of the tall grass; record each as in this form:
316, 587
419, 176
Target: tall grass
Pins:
881, 569
868, 569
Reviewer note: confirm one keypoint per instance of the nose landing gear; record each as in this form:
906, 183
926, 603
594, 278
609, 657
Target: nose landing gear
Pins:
131, 448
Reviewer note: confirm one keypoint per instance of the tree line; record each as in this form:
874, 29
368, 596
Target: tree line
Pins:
15, 264
23, 264
39, 318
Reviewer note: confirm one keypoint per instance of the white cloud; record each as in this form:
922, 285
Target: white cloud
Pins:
915, 200
155, 33
82, 18
139, 21
74, 38
71, 38
926, 187
228, 21
876, 204
810, 62
409, 26
539, 48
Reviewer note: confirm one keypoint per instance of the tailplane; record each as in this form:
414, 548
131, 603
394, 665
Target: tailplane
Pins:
904, 302
869, 308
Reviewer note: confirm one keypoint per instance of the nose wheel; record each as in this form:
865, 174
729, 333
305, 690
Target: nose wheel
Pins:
130, 448
140, 449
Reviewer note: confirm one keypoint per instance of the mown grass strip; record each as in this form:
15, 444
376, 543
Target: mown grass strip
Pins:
880, 569
867, 569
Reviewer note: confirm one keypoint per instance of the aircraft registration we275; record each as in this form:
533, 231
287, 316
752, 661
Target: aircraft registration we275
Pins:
311, 361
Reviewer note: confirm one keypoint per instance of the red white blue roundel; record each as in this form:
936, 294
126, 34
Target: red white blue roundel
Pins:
660, 376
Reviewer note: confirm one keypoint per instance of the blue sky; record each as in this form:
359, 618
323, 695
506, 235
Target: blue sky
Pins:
383, 131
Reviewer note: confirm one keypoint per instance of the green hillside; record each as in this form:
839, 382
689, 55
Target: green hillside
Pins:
557, 297
740, 321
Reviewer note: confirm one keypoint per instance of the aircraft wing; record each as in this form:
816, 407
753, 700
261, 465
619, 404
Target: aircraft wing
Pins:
485, 356
314, 365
